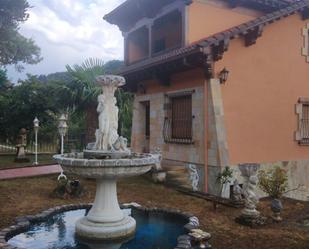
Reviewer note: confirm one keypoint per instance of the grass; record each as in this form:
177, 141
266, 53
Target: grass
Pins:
7, 161
31, 195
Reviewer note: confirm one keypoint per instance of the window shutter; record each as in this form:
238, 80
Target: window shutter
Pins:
298, 110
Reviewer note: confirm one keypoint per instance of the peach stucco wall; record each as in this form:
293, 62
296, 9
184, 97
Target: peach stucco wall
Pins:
206, 18
259, 98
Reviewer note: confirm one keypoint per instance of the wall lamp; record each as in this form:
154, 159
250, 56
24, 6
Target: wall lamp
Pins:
223, 75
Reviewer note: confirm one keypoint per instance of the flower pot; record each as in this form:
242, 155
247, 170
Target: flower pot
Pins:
276, 207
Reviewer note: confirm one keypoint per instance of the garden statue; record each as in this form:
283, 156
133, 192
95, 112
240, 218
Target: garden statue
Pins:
249, 215
237, 193
251, 198
193, 176
158, 175
21, 143
200, 238
107, 138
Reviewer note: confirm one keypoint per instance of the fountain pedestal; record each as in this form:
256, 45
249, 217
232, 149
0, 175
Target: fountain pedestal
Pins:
105, 219
106, 160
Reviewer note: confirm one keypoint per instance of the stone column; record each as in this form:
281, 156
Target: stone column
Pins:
218, 154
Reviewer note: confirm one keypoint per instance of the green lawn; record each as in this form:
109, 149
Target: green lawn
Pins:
7, 161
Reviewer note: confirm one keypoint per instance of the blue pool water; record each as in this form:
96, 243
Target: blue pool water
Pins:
154, 231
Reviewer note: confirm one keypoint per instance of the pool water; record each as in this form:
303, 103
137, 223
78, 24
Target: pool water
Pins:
154, 230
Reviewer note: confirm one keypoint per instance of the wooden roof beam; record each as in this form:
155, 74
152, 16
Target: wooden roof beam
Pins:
251, 35
305, 13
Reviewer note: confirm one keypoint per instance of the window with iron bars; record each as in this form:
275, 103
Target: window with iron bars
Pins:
302, 109
178, 121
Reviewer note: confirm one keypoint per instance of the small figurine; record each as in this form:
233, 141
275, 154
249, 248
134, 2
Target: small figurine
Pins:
21, 143
200, 237
193, 176
237, 192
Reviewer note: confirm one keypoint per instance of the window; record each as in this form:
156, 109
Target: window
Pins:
159, 45
167, 32
305, 49
178, 121
137, 45
302, 109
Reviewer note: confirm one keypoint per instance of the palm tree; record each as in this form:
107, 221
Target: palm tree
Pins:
84, 93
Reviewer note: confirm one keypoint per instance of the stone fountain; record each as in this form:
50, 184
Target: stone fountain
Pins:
106, 160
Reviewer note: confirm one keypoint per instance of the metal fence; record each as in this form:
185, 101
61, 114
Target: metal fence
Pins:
71, 143
44, 148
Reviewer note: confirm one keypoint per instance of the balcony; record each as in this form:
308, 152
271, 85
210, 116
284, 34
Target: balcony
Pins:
157, 37
138, 45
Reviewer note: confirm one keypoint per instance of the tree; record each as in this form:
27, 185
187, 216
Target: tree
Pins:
4, 82
85, 90
22, 103
15, 48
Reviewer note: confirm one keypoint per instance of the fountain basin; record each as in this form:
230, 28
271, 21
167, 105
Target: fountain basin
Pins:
105, 220
156, 228
136, 164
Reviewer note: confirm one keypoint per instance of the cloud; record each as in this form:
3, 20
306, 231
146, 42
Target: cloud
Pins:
69, 31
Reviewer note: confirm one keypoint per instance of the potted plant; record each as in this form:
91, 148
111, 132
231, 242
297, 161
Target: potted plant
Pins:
274, 182
224, 178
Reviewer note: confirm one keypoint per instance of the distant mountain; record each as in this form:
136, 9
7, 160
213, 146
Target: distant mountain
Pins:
59, 76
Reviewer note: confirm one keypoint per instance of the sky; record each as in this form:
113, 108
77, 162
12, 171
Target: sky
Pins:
68, 32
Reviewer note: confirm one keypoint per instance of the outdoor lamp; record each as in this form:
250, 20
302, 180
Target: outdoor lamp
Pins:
223, 75
36, 126
36, 123
62, 128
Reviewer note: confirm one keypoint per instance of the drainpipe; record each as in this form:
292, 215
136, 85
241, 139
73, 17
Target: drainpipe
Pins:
206, 134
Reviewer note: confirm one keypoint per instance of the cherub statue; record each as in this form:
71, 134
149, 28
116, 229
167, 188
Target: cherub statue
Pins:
237, 192
193, 176
251, 199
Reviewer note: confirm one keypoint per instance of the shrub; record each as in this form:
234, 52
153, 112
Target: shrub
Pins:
225, 176
273, 182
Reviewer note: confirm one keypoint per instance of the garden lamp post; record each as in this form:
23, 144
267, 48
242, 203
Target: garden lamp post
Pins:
62, 128
36, 129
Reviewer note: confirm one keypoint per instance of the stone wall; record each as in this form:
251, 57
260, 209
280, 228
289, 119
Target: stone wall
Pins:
179, 153
298, 177
218, 156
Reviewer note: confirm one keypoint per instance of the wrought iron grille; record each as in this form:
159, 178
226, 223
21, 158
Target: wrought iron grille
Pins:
304, 125
178, 125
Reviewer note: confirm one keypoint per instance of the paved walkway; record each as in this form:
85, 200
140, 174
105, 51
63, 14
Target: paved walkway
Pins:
29, 171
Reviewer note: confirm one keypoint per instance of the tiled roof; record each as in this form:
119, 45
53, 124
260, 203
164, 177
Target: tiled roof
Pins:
259, 22
265, 5
218, 43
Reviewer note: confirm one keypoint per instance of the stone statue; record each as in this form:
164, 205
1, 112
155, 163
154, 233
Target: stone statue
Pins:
21, 143
249, 215
237, 192
157, 173
107, 138
193, 176
251, 199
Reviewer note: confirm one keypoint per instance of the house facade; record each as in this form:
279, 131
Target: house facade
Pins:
220, 83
